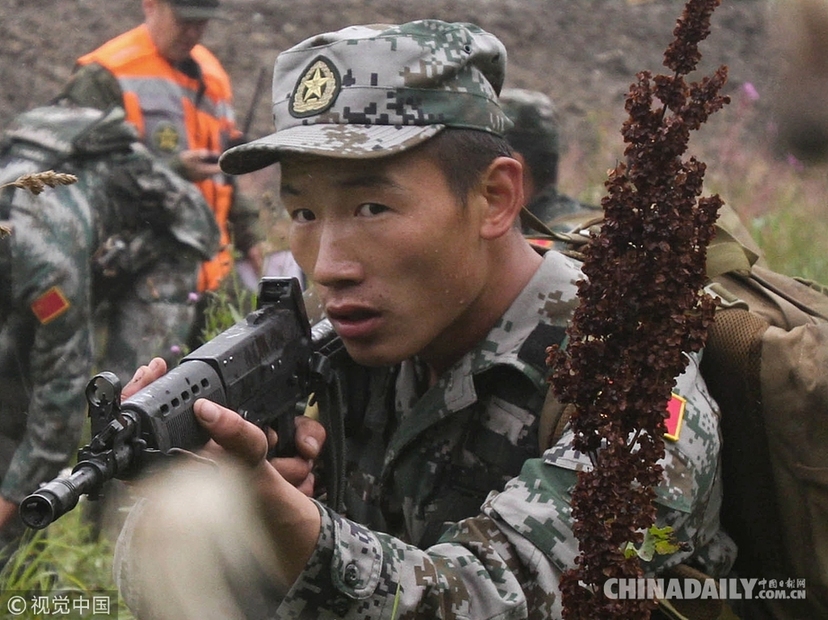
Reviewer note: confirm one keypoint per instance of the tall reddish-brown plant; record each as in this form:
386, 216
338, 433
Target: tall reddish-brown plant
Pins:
627, 341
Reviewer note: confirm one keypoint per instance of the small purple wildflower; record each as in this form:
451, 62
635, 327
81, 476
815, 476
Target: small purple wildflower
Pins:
749, 91
794, 162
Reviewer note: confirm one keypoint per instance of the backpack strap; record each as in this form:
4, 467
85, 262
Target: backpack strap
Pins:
554, 417
732, 248
725, 254
569, 244
805, 300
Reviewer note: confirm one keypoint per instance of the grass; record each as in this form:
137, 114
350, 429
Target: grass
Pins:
68, 556
64, 558
783, 203
228, 305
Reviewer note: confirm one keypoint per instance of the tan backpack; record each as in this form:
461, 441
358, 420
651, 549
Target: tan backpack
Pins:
766, 363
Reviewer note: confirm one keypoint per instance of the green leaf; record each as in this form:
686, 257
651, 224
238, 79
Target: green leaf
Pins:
657, 541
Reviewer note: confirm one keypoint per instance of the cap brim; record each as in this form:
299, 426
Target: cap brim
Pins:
327, 140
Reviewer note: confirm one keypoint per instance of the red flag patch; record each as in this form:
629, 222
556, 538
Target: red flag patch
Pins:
675, 416
543, 244
50, 305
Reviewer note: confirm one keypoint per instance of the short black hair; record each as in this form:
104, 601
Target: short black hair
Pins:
463, 156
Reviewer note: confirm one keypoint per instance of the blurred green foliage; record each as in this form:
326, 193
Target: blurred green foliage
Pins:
66, 557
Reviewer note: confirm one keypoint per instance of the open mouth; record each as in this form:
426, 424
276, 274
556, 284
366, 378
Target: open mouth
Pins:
353, 322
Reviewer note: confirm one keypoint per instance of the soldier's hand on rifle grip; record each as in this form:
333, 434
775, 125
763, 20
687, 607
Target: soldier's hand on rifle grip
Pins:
292, 519
298, 470
231, 434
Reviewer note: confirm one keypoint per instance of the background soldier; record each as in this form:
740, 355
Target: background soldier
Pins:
179, 97
129, 232
535, 137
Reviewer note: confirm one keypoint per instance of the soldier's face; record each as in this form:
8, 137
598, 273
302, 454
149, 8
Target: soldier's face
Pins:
173, 37
394, 253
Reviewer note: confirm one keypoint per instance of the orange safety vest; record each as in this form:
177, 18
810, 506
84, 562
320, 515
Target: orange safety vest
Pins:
174, 112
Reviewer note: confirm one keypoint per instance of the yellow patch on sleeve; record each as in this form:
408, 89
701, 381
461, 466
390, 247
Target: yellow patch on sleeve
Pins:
50, 305
675, 416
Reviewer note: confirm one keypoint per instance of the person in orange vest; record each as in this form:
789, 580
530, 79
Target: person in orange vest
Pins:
178, 95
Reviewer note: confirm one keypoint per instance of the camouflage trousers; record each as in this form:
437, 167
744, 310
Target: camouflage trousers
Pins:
152, 317
12, 427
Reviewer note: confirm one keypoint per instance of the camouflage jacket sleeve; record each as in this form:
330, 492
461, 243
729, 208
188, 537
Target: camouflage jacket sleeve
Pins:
688, 498
506, 562
357, 573
51, 280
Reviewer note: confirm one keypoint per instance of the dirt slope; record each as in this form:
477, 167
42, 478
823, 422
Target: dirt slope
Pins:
583, 53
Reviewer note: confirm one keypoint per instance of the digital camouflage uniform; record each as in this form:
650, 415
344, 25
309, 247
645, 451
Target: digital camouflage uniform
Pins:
420, 457
464, 437
128, 233
410, 540
424, 456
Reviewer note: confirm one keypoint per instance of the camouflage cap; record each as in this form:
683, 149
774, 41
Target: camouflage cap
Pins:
195, 9
534, 116
374, 90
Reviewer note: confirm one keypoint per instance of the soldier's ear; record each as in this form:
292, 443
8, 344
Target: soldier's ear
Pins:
502, 188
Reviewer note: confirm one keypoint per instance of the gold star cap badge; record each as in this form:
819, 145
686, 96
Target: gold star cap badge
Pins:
316, 90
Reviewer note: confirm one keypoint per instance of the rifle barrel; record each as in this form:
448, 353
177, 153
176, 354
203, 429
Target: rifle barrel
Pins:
53, 500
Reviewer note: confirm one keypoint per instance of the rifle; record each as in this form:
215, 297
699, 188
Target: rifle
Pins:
264, 367
254, 102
